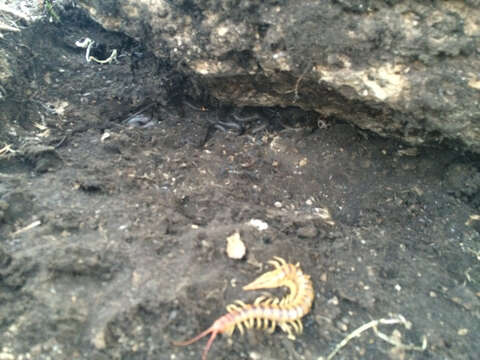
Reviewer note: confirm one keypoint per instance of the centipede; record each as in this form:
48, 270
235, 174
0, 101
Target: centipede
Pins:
266, 312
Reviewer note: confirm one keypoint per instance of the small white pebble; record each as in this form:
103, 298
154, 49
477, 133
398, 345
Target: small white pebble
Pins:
333, 301
235, 247
99, 340
6, 356
258, 224
255, 356
104, 136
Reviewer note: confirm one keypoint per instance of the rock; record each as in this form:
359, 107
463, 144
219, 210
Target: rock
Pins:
99, 340
408, 70
258, 224
235, 247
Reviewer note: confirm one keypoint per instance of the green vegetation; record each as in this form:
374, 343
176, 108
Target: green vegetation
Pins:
48, 6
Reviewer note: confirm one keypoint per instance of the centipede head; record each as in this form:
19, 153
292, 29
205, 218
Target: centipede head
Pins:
271, 279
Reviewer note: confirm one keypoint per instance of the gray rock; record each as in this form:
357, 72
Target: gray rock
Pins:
404, 69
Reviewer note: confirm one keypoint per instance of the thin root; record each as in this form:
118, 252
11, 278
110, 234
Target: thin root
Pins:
399, 319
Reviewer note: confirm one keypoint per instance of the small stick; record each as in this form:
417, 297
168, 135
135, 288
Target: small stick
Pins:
27, 228
399, 319
8, 27
6, 150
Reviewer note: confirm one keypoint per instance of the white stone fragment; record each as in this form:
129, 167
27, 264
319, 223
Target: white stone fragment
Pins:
235, 247
258, 224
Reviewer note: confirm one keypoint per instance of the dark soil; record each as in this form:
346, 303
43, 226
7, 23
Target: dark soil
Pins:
113, 232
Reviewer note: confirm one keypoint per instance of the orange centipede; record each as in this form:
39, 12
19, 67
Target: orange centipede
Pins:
266, 312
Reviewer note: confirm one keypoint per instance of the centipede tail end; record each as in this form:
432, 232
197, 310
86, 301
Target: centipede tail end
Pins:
198, 337
209, 344
195, 339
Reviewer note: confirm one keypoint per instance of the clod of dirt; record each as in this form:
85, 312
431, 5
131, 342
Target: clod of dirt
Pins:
464, 297
42, 157
463, 179
5, 259
308, 231
16, 205
78, 261
3, 208
89, 185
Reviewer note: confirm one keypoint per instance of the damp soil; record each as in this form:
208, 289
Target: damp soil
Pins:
115, 212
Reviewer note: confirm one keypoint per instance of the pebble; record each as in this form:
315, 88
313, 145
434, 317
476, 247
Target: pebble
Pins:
99, 340
6, 356
235, 247
140, 121
260, 225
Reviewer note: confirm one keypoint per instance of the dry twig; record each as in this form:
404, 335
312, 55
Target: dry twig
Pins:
397, 319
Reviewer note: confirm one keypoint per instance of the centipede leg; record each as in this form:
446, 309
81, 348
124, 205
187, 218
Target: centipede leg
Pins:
295, 326
232, 308
274, 263
240, 303
259, 323
259, 300
286, 327
300, 325
271, 329
280, 260
240, 328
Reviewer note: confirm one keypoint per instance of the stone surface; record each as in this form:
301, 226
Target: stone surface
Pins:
407, 69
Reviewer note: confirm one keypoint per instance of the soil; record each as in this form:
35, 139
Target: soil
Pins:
114, 217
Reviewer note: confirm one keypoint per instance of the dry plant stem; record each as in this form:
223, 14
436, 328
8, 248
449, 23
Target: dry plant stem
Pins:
299, 80
8, 28
27, 228
7, 149
399, 319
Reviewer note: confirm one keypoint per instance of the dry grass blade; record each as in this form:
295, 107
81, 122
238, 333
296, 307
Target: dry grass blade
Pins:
399, 319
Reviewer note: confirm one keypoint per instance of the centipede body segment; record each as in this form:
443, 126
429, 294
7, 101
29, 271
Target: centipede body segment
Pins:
266, 312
